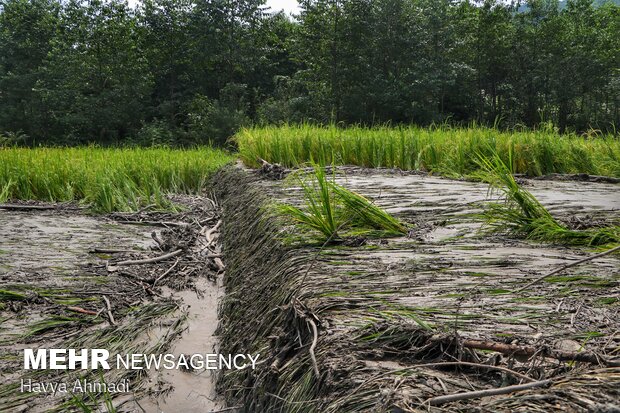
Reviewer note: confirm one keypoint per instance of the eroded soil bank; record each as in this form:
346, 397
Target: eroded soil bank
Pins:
393, 324
67, 281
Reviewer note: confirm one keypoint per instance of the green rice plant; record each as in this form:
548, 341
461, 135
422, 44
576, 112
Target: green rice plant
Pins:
439, 150
365, 214
5, 190
52, 323
91, 402
321, 208
107, 179
330, 207
521, 214
6, 295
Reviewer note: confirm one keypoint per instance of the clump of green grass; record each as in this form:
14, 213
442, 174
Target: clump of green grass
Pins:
442, 150
6, 295
331, 208
321, 212
107, 179
521, 214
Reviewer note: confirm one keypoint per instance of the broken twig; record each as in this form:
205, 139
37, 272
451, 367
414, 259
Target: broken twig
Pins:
529, 351
485, 393
572, 264
168, 271
110, 316
82, 311
147, 260
315, 339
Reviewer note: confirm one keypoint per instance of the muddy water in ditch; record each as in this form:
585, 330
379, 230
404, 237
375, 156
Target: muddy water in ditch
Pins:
51, 247
193, 391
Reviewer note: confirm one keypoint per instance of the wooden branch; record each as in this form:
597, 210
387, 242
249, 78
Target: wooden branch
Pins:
82, 311
572, 264
168, 271
110, 316
149, 260
528, 351
435, 401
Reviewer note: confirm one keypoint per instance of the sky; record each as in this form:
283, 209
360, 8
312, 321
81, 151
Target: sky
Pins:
289, 6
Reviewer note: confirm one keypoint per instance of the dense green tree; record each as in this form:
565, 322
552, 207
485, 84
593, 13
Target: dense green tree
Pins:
27, 28
193, 71
96, 81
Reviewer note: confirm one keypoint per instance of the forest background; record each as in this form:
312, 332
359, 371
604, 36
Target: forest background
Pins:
186, 72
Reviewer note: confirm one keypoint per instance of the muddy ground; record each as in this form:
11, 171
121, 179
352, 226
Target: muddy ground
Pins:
372, 324
398, 320
63, 285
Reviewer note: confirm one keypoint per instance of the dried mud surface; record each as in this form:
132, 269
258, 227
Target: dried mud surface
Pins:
386, 308
60, 266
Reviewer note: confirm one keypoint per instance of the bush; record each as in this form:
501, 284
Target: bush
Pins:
13, 138
291, 104
156, 133
214, 121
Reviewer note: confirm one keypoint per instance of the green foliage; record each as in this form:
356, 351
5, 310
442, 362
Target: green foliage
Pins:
76, 72
321, 209
521, 214
217, 120
13, 138
364, 213
448, 151
331, 208
107, 179
96, 81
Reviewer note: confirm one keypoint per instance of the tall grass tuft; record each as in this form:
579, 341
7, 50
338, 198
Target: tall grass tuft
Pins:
321, 207
441, 150
330, 208
521, 214
120, 179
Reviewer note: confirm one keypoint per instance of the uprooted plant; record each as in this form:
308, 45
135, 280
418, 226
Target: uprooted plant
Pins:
332, 209
521, 214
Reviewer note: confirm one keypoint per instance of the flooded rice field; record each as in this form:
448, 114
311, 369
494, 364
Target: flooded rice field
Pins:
402, 322
67, 281
369, 324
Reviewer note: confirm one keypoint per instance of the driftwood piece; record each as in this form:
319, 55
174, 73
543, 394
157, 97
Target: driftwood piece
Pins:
528, 351
435, 401
109, 306
82, 310
146, 260
168, 271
